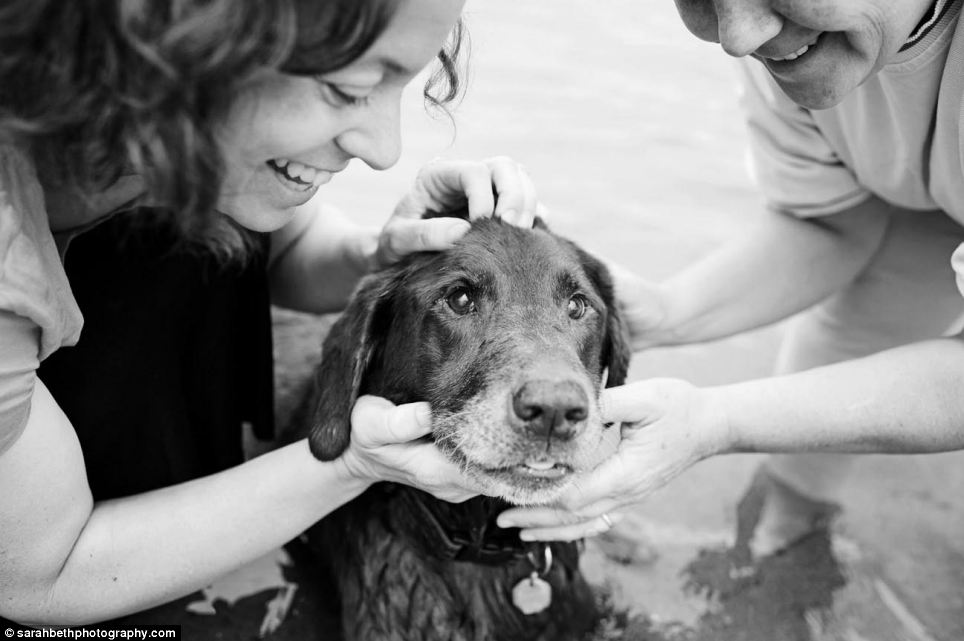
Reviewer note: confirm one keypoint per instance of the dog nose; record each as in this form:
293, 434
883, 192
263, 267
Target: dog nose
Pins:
553, 409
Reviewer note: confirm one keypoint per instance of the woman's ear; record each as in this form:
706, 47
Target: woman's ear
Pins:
346, 355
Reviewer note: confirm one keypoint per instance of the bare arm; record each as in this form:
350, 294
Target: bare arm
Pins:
67, 560
318, 258
904, 400
781, 266
64, 559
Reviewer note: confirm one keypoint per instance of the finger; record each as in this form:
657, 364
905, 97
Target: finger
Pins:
530, 199
435, 234
383, 423
542, 516
524, 217
549, 516
477, 185
437, 475
633, 403
612, 484
443, 186
591, 527
509, 183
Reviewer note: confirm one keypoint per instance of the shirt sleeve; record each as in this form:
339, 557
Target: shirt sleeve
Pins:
19, 359
790, 160
38, 313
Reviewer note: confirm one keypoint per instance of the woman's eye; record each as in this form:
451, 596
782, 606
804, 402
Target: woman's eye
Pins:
577, 307
461, 302
341, 97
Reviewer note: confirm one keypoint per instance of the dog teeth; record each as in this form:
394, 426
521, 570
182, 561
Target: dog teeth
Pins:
543, 466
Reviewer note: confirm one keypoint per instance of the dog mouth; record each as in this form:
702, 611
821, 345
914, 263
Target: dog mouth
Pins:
525, 473
511, 462
537, 472
542, 469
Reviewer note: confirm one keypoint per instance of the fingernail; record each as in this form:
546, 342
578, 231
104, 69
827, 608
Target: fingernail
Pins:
423, 414
525, 536
456, 230
504, 523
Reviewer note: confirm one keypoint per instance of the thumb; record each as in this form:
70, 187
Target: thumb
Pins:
391, 424
408, 235
634, 403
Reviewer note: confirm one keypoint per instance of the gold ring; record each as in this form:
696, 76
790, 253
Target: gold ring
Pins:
608, 521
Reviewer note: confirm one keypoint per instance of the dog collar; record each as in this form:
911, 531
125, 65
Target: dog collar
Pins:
466, 531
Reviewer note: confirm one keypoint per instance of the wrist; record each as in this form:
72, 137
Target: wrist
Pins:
722, 437
328, 475
353, 472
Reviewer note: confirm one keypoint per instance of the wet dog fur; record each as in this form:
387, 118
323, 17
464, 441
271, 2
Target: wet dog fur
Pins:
509, 336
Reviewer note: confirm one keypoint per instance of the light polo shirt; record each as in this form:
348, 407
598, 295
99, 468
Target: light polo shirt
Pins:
898, 135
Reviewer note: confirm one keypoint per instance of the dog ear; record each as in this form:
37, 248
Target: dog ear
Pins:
616, 351
346, 355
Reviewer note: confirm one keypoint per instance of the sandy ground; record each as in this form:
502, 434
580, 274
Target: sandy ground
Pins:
631, 131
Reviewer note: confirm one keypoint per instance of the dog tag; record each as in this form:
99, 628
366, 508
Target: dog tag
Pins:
532, 595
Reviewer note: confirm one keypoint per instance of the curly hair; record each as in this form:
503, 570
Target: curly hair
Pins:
98, 89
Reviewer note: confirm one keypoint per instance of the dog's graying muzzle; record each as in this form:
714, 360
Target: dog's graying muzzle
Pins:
551, 409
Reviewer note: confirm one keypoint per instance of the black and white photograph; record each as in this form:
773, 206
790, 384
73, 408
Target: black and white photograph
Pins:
482, 320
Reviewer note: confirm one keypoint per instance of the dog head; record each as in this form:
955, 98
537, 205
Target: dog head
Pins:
509, 336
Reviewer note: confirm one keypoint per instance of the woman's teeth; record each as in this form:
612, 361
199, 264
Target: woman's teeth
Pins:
796, 54
300, 174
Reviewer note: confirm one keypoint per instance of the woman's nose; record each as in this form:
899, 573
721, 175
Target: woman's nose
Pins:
375, 138
746, 25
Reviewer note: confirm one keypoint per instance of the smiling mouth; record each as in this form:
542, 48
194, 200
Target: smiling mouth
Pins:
298, 176
794, 55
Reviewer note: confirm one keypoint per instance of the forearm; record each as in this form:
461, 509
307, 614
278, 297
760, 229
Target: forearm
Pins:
905, 400
318, 260
137, 552
64, 561
781, 267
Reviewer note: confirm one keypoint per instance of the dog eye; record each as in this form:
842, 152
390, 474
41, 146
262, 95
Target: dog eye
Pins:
461, 302
578, 305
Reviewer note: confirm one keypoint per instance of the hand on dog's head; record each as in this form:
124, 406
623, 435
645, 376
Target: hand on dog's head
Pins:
487, 332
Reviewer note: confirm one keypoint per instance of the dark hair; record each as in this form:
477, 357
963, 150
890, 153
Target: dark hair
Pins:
98, 89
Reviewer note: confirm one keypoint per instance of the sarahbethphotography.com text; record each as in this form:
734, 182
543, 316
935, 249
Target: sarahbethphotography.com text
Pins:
138, 632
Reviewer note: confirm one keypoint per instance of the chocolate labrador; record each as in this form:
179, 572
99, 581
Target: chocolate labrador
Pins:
509, 336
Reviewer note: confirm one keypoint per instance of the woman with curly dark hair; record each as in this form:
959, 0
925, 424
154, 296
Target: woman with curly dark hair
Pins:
208, 122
